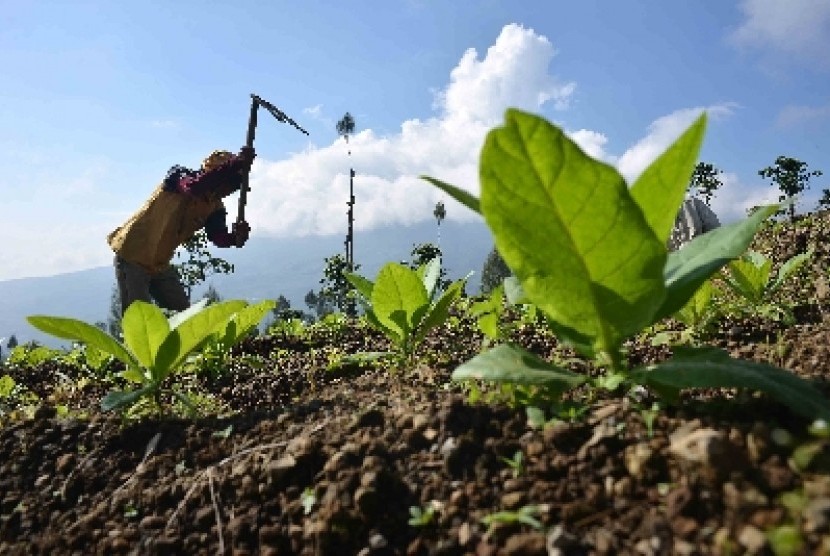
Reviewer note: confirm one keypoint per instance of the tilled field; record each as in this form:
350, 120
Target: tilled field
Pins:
311, 458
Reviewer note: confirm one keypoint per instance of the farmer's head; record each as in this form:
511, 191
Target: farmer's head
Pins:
215, 160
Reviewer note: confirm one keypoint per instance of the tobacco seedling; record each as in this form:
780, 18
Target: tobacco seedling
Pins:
402, 303
421, 517
154, 347
516, 463
750, 277
525, 515
590, 253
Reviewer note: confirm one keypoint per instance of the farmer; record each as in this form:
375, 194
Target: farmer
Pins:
693, 219
185, 202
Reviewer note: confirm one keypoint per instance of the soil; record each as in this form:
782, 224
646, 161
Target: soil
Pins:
302, 455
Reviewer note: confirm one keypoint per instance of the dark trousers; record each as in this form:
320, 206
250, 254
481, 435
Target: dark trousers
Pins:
135, 283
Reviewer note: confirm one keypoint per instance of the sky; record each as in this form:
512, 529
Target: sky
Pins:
98, 99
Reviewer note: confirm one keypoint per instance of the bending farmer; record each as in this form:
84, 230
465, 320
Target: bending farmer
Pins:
185, 202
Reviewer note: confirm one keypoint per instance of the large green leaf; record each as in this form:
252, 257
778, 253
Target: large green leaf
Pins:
398, 293
438, 312
431, 273
182, 316
571, 232
749, 276
249, 317
710, 367
363, 285
513, 365
660, 189
790, 267
460, 195
123, 398
73, 329
690, 266
145, 328
191, 333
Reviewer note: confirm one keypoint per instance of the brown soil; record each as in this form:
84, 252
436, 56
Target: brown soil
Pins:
303, 457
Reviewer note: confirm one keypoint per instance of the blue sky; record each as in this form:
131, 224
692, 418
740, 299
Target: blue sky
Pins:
98, 99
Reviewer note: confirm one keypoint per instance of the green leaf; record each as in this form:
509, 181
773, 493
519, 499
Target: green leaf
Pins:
182, 316
190, 333
687, 268
73, 329
438, 312
7, 385
514, 365
460, 195
749, 276
431, 274
145, 328
247, 318
710, 367
362, 285
660, 189
789, 267
393, 335
513, 291
398, 293
117, 398
571, 232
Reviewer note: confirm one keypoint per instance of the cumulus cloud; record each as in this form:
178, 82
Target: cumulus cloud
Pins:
661, 133
733, 200
796, 29
307, 193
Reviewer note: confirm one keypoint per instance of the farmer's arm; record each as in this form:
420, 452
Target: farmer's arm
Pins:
216, 229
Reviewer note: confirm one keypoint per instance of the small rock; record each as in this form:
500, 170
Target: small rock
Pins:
151, 522
378, 541
636, 457
526, 544
513, 500
559, 542
817, 515
752, 539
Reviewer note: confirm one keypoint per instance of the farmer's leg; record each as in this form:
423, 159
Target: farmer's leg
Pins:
168, 291
133, 283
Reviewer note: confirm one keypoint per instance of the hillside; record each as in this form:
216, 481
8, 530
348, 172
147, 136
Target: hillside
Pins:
264, 269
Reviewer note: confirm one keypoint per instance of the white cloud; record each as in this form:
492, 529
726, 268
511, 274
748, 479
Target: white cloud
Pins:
662, 132
307, 193
734, 198
795, 29
792, 116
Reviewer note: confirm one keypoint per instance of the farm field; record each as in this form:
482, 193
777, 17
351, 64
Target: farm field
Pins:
304, 452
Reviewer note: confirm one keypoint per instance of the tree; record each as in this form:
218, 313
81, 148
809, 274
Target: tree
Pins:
439, 213
705, 180
336, 289
824, 202
12, 343
494, 271
423, 253
113, 324
200, 263
791, 176
318, 304
212, 295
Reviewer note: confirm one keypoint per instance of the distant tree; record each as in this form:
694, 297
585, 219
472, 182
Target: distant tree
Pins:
212, 295
200, 262
12, 343
335, 288
422, 253
705, 181
113, 324
282, 311
494, 271
318, 303
824, 201
345, 126
439, 213
791, 176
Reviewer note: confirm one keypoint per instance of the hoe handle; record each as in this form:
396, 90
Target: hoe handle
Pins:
249, 142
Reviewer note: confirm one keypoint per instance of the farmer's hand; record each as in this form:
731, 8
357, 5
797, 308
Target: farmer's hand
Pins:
241, 232
246, 156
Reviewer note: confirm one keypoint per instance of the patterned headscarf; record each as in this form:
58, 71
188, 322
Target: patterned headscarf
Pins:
215, 159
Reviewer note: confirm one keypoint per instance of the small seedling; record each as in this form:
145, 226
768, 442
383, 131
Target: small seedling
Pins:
516, 463
421, 517
308, 498
524, 515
